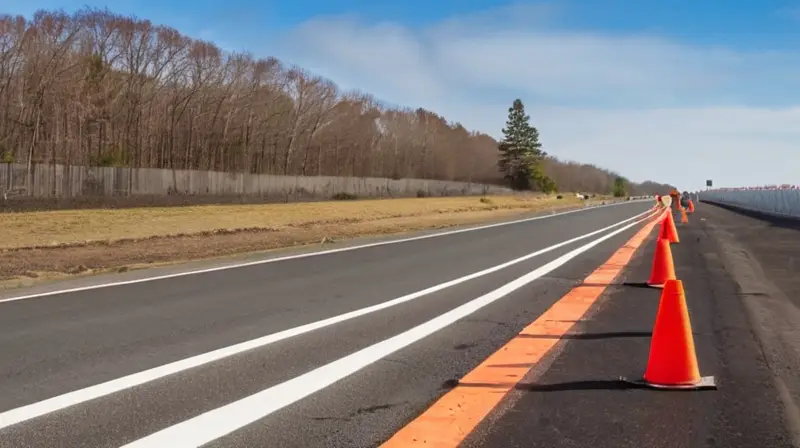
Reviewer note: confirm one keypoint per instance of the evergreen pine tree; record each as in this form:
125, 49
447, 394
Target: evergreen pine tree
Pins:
521, 153
620, 187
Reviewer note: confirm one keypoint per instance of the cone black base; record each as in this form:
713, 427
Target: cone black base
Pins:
705, 383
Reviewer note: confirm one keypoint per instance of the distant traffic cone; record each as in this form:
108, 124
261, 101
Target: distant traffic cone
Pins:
672, 363
668, 230
691, 206
684, 218
663, 267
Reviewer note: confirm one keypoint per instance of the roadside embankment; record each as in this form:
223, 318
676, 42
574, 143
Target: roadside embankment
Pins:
52, 244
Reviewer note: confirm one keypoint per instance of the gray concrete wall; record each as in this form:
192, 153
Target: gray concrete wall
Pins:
776, 201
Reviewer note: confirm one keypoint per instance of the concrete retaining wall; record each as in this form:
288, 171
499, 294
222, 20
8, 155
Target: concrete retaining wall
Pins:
777, 202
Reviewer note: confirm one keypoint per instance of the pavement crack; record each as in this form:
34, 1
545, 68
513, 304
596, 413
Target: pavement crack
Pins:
361, 411
339, 419
376, 408
503, 324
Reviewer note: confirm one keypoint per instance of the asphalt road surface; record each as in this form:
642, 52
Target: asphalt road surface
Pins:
743, 307
345, 348
75, 341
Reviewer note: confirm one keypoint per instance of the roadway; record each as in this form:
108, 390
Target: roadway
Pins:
746, 327
344, 349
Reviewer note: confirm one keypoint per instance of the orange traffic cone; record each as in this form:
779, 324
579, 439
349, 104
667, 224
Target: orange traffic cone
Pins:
684, 218
691, 206
668, 230
672, 363
663, 266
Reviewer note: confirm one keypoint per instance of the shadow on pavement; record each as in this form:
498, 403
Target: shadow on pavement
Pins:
560, 387
638, 285
642, 285
590, 336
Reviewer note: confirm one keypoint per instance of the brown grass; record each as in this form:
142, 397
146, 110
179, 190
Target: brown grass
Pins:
41, 244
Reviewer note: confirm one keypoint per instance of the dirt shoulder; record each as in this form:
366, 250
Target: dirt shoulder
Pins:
43, 245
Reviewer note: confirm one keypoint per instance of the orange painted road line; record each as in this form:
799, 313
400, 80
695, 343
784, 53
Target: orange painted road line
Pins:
456, 414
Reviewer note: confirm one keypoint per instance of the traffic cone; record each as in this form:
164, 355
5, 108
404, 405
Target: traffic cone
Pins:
663, 266
691, 206
672, 363
668, 230
684, 218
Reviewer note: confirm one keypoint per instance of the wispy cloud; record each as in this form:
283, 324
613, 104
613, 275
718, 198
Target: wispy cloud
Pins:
789, 12
644, 105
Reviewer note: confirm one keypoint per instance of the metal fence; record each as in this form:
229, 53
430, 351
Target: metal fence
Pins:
63, 181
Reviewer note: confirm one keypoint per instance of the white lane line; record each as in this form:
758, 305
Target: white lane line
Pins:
297, 256
68, 399
216, 423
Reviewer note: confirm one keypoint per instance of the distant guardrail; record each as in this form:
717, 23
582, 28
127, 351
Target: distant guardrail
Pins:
776, 200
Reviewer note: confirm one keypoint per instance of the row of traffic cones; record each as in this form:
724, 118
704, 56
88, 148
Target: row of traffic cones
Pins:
672, 363
660, 204
663, 268
685, 211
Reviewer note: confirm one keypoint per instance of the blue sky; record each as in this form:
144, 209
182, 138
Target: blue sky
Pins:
673, 90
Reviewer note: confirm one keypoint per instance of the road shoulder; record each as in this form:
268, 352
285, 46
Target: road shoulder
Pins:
759, 253
579, 401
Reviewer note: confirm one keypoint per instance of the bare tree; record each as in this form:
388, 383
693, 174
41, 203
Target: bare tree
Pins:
96, 88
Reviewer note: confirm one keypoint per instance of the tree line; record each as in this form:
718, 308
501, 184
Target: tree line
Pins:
97, 88
526, 166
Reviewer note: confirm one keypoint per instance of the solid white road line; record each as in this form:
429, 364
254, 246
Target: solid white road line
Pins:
216, 423
68, 399
303, 255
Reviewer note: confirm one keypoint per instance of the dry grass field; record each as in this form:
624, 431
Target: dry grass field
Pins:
48, 244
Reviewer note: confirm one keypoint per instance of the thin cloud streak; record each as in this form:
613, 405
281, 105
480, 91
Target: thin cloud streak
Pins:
627, 103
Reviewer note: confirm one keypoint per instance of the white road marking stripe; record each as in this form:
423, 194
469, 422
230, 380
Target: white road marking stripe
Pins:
216, 423
68, 399
297, 256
